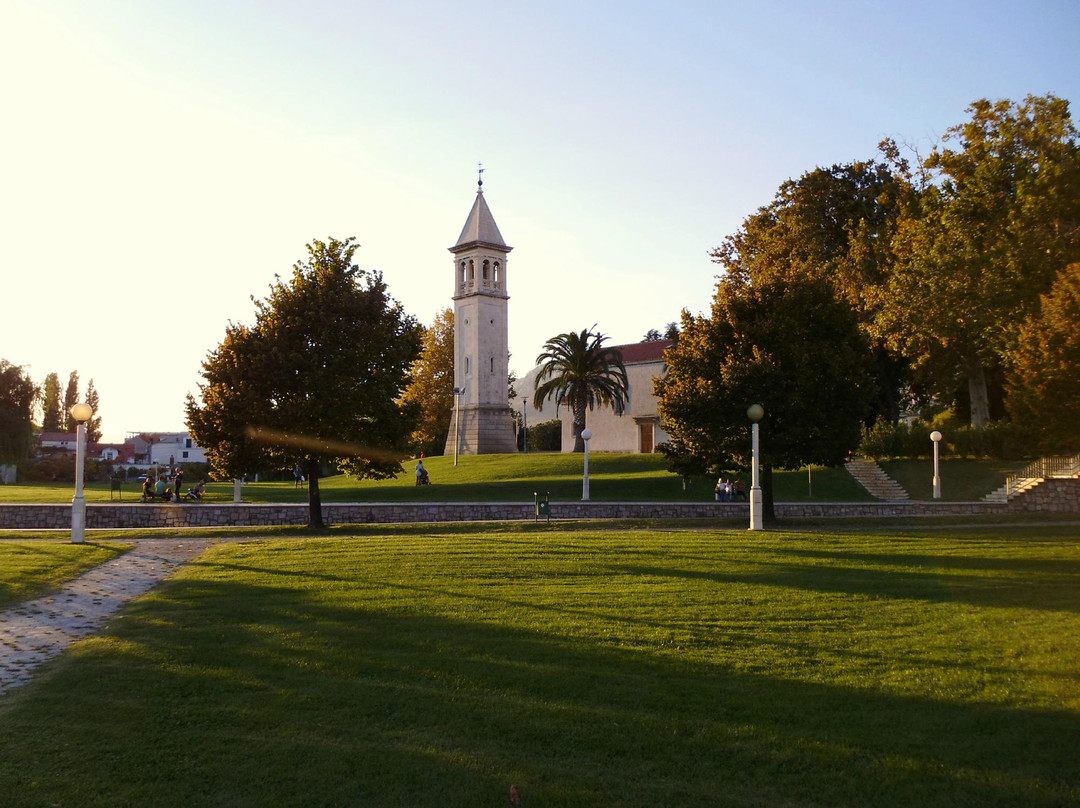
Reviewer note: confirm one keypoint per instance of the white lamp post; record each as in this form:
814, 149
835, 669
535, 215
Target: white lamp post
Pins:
755, 412
81, 413
935, 436
585, 435
458, 393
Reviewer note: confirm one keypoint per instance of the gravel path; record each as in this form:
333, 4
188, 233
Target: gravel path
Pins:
36, 631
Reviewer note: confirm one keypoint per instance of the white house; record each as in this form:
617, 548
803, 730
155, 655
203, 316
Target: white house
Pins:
638, 429
164, 448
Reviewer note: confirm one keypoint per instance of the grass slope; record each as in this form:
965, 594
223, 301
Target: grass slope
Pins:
961, 480
499, 478
615, 668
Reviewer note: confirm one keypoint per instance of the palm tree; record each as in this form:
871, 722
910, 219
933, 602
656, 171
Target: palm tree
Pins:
577, 370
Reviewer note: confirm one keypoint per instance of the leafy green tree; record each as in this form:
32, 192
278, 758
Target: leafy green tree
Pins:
786, 343
432, 386
71, 398
17, 396
579, 371
317, 379
671, 331
93, 426
1044, 384
835, 224
999, 217
52, 407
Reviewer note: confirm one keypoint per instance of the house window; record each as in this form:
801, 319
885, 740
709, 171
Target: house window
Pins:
187, 444
184, 454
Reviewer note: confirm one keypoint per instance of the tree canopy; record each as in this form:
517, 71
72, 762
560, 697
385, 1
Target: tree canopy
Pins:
317, 379
998, 219
834, 224
786, 343
578, 370
432, 386
17, 396
1044, 383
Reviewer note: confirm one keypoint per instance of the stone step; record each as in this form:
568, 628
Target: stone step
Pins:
871, 477
1019, 487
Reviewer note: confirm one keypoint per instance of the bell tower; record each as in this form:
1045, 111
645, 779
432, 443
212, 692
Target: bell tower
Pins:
481, 423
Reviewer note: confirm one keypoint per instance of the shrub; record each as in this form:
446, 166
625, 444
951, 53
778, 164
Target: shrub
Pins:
546, 436
999, 440
60, 467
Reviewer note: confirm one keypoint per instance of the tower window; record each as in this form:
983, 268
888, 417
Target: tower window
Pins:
472, 271
496, 273
493, 364
486, 265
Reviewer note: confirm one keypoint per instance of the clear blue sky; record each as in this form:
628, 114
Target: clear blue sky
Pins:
161, 161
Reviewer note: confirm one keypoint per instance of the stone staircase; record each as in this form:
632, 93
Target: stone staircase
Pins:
1012, 488
1034, 473
870, 476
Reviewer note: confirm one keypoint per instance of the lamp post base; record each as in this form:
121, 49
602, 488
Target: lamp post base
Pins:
78, 520
756, 509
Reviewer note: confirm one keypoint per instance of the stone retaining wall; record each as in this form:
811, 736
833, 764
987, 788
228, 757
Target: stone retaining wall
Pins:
1054, 495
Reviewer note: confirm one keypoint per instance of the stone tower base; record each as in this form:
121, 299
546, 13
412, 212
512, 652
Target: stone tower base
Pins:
483, 430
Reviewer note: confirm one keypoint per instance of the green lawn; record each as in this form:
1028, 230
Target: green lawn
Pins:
497, 478
32, 568
393, 667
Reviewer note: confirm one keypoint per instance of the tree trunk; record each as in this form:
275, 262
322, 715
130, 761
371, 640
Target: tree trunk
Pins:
980, 398
314, 497
579, 426
768, 511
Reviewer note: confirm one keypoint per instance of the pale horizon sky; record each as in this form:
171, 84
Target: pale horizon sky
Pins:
162, 161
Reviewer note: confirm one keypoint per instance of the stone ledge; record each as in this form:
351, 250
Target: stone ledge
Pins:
138, 515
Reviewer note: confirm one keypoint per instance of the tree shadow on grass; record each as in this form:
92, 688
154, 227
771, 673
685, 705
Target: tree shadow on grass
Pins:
229, 693
1028, 585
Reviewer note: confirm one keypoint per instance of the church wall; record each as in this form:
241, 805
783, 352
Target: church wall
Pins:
611, 433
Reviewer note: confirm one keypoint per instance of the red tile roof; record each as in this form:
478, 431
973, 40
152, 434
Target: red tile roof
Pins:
640, 352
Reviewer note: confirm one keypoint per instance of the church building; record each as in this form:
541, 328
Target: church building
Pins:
482, 422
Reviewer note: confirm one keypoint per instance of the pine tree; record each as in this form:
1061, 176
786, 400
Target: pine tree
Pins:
52, 413
71, 398
93, 426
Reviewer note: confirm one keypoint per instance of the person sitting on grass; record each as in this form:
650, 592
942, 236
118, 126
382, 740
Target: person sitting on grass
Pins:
196, 492
147, 489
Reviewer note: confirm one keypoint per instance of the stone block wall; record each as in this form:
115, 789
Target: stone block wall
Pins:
1051, 496
1058, 498
1054, 495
